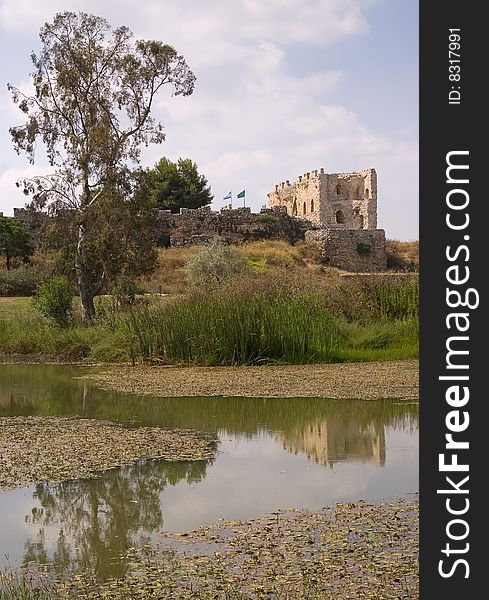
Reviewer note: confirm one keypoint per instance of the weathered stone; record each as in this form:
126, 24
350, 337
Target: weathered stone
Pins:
199, 226
359, 250
339, 200
343, 208
335, 211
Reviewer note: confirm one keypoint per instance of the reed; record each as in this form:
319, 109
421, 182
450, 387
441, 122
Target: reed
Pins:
230, 330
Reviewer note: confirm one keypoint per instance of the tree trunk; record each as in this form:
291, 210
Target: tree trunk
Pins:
7, 259
84, 284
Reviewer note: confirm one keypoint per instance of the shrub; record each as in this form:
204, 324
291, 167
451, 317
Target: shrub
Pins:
125, 290
363, 248
214, 264
22, 281
54, 299
402, 256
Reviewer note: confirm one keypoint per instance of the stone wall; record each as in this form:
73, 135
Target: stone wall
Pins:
198, 226
337, 200
359, 251
342, 245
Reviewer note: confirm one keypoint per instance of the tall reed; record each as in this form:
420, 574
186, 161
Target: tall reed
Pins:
227, 330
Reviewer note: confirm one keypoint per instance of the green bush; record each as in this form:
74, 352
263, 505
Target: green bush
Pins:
363, 248
22, 281
125, 290
54, 299
214, 264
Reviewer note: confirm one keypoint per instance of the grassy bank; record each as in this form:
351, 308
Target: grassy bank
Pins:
267, 255
17, 586
264, 318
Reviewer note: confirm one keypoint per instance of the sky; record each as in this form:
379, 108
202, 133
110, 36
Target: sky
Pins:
283, 87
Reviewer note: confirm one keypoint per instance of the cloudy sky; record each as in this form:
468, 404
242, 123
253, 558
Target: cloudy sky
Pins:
283, 87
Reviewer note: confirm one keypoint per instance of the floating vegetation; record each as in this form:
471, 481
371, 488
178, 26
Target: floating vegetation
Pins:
352, 550
34, 449
366, 381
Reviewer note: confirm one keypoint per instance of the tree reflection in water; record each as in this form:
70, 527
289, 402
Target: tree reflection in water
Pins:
93, 522
99, 519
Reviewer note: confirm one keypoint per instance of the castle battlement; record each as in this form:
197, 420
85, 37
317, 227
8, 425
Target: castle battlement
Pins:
337, 200
337, 212
342, 210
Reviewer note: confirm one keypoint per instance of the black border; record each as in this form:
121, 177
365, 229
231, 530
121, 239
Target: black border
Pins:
443, 128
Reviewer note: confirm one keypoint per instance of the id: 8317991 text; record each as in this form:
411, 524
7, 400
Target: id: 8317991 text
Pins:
454, 66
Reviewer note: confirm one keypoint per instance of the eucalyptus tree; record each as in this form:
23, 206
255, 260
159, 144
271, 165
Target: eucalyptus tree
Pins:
94, 91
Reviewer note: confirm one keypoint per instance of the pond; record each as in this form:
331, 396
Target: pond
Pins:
272, 454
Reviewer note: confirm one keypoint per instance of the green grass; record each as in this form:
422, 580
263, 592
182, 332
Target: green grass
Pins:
12, 309
234, 330
270, 322
18, 586
36, 337
252, 321
382, 340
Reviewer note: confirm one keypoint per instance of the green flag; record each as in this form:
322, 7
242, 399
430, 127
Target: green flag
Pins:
241, 194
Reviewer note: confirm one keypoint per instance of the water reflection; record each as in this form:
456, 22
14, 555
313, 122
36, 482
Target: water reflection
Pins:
273, 454
338, 439
98, 520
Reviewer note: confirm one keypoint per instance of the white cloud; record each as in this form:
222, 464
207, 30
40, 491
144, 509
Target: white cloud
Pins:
10, 194
251, 122
311, 21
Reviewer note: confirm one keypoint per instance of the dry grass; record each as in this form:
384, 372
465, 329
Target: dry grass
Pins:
169, 276
267, 255
402, 256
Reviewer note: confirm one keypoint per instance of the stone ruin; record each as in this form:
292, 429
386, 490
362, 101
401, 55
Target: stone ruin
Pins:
233, 225
335, 211
342, 209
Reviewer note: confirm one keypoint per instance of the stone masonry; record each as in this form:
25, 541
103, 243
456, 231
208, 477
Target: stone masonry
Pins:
342, 209
360, 251
335, 211
199, 226
338, 200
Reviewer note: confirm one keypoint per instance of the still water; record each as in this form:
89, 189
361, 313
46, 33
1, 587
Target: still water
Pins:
272, 453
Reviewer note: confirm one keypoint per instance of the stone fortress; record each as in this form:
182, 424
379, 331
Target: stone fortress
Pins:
342, 208
335, 211
339, 200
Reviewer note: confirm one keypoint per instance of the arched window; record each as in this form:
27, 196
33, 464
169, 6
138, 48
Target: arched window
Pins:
362, 222
312, 205
367, 193
304, 209
338, 190
340, 217
294, 209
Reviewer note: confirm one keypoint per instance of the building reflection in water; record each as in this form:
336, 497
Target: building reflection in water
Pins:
337, 440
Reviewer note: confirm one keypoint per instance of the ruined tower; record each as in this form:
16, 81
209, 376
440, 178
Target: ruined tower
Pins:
342, 209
